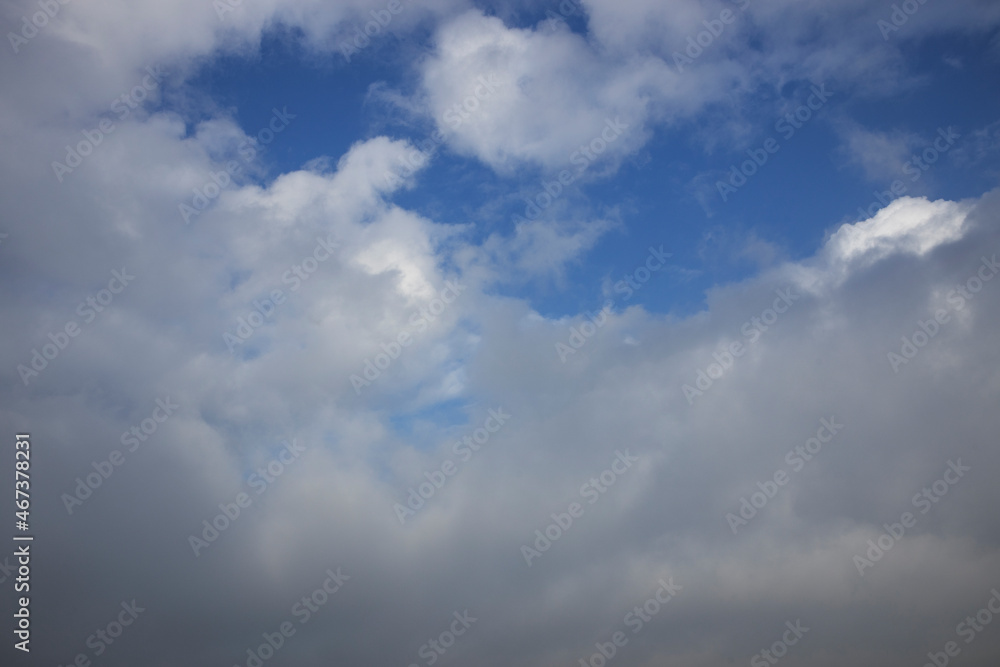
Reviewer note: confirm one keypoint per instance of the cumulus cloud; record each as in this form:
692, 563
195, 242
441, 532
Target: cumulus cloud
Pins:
315, 310
663, 518
556, 96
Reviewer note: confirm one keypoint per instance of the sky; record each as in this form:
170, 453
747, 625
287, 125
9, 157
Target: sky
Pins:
536, 334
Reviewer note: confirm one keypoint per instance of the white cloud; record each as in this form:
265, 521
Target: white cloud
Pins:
869, 284
907, 224
557, 94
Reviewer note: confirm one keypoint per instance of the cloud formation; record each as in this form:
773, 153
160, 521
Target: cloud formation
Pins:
246, 490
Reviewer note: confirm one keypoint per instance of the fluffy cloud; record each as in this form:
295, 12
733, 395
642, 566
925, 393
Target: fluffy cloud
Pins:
664, 517
555, 95
707, 426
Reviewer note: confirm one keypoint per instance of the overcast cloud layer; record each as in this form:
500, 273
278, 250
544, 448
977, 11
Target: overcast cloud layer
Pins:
710, 485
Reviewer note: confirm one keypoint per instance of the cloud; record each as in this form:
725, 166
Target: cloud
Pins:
881, 155
355, 270
556, 96
871, 283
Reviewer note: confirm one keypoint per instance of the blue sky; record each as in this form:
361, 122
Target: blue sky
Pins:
811, 187
573, 311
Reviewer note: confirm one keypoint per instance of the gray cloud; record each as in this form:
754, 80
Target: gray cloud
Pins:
827, 356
